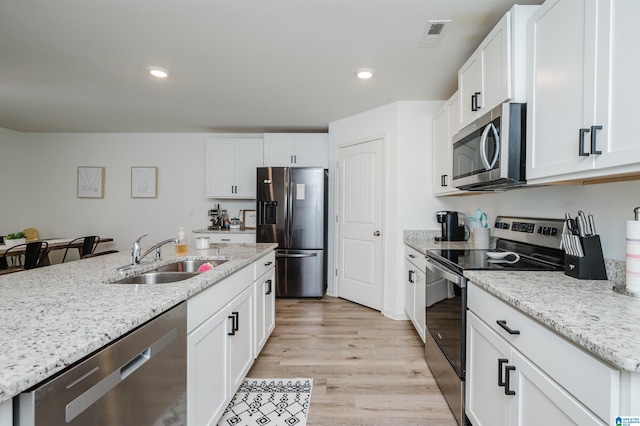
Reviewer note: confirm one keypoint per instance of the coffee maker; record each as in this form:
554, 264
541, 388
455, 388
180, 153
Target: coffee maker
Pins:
452, 226
217, 216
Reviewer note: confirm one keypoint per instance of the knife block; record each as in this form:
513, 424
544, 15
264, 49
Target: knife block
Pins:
591, 265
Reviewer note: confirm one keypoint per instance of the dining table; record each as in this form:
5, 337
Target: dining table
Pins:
54, 244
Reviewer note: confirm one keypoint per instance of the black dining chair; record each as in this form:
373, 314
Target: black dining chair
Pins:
34, 254
89, 245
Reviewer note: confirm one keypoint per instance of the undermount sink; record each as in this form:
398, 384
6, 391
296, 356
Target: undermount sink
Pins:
188, 265
171, 273
157, 278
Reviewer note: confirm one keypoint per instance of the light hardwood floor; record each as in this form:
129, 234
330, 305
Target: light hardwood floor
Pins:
367, 369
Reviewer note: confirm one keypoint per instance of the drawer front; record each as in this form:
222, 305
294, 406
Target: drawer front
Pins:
264, 264
231, 238
595, 383
415, 257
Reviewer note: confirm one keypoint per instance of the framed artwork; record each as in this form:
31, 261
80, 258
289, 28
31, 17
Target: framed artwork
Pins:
249, 219
90, 182
144, 182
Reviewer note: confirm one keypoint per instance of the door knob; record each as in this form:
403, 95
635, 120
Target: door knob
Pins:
377, 233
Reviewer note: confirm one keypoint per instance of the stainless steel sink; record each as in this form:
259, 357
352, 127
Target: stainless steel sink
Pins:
171, 273
157, 278
188, 265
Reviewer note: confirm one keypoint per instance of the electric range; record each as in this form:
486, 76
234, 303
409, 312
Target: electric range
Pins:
521, 244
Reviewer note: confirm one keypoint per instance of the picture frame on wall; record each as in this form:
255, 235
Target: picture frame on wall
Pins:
90, 182
249, 219
144, 182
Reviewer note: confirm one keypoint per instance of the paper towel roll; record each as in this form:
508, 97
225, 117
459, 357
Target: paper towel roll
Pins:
633, 256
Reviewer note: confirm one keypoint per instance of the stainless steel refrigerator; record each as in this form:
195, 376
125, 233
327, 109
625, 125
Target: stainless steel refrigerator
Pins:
292, 211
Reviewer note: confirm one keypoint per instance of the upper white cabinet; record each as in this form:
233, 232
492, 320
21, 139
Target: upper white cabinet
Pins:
231, 167
496, 72
583, 101
445, 126
296, 150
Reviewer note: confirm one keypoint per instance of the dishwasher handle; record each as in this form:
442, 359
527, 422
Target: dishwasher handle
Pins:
458, 280
97, 391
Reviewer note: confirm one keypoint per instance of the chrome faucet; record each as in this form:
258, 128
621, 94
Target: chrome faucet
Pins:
136, 257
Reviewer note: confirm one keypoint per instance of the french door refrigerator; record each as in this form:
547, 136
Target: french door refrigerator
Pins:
292, 211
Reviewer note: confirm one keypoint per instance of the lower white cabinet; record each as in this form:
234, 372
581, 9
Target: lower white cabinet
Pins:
521, 373
221, 326
265, 300
415, 281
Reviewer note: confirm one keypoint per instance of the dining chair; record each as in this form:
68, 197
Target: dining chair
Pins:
102, 253
89, 245
34, 254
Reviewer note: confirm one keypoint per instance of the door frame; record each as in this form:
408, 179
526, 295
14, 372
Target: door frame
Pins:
336, 199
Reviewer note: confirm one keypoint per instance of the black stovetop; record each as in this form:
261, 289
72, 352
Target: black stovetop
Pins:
474, 259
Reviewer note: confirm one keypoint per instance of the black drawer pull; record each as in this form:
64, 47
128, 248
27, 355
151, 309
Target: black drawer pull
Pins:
268, 264
268, 283
233, 325
581, 152
503, 324
507, 387
411, 276
594, 145
501, 362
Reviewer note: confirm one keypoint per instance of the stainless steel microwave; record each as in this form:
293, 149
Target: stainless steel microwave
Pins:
490, 153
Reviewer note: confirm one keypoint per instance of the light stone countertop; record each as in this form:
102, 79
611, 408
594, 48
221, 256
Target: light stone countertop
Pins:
54, 316
586, 312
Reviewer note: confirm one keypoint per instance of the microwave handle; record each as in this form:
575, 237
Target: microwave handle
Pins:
483, 146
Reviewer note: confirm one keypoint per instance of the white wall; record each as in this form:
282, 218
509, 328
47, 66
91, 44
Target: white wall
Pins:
406, 129
47, 177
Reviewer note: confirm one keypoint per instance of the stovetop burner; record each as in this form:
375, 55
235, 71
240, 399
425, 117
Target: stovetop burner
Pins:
537, 242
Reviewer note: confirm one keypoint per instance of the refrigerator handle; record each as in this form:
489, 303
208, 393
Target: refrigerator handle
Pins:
298, 255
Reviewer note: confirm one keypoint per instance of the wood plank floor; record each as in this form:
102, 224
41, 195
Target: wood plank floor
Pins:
366, 369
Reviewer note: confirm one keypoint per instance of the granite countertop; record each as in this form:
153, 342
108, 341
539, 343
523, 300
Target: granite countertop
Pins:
54, 316
224, 231
586, 312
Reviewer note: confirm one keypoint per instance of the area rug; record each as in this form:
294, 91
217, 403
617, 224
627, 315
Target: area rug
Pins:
272, 402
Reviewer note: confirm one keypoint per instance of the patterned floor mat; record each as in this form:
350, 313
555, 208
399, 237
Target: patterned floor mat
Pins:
269, 402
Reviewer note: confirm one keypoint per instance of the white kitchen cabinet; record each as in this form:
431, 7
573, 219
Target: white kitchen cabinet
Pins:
519, 372
219, 345
231, 167
445, 126
265, 299
496, 72
296, 150
415, 288
228, 237
583, 104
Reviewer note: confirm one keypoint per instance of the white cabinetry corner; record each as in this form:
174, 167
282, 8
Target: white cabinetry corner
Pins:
231, 167
415, 276
296, 150
265, 300
496, 72
221, 326
520, 372
445, 126
583, 102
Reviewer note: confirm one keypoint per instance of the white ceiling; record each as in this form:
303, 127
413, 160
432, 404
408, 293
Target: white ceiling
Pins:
263, 65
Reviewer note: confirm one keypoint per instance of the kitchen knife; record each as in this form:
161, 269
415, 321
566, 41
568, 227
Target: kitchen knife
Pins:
592, 224
583, 225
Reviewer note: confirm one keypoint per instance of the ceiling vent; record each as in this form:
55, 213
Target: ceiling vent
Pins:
433, 33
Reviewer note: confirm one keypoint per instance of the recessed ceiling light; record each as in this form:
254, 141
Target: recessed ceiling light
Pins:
158, 72
364, 73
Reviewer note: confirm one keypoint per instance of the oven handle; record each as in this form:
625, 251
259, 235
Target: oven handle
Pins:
458, 280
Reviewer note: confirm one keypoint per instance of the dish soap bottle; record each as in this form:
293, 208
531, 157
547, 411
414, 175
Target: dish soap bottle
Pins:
182, 248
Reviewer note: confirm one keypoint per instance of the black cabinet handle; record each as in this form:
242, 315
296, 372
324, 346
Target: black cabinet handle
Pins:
474, 102
503, 324
411, 276
507, 387
501, 362
478, 103
268, 282
581, 152
268, 263
594, 148
444, 180
237, 315
233, 325
412, 256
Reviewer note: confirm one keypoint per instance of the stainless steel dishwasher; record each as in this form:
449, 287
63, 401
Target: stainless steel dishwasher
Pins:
140, 379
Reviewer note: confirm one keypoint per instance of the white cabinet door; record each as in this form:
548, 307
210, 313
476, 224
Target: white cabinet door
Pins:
241, 337
208, 389
420, 302
470, 89
495, 60
409, 282
486, 404
265, 308
259, 334
270, 304
445, 126
231, 167
220, 168
296, 150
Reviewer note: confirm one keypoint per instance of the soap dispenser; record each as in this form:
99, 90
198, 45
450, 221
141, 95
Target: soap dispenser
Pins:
181, 245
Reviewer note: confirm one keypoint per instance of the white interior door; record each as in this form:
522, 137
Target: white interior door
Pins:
360, 208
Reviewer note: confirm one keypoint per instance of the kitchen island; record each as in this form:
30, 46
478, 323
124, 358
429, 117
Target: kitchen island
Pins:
52, 317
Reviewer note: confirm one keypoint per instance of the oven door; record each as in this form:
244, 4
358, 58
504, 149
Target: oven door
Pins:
446, 306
